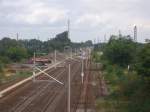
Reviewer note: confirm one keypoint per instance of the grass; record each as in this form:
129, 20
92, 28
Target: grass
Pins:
17, 75
103, 105
110, 105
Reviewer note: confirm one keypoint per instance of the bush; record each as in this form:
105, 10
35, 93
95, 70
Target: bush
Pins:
143, 63
1, 67
120, 51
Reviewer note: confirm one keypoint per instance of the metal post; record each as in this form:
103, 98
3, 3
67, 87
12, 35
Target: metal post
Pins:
71, 53
55, 57
69, 34
34, 67
68, 28
69, 92
86, 64
75, 52
82, 73
65, 53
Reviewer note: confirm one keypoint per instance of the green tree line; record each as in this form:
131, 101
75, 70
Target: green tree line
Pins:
12, 50
126, 67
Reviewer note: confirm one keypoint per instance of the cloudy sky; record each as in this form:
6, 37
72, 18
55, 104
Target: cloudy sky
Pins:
90, 19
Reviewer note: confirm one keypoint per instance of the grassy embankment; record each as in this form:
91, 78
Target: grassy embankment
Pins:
121, 85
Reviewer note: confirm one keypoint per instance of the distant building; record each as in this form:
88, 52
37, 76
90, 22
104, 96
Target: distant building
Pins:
135, 33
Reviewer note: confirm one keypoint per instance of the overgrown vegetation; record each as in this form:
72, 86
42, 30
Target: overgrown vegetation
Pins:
126, 67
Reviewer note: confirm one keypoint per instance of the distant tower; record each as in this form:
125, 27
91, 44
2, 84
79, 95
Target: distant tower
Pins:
135, 33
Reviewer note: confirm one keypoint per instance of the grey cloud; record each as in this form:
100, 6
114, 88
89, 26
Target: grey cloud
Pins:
89, 18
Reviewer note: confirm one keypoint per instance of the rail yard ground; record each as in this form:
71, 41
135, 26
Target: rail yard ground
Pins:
46, 95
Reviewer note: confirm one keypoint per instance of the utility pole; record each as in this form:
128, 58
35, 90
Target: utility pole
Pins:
71, 53
82, 72
68, 28
39, 44
69, 34
34, 67
69, 92
55, 57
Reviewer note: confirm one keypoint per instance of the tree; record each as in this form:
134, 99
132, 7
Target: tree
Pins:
143, 63
120, 51
17, 53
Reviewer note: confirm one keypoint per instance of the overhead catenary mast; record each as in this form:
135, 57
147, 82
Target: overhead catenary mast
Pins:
69, 91
68, 28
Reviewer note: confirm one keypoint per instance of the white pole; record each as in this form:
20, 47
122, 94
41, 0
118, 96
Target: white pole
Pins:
68, 28
55, 57
69, 35
69, 72
82, 73
34, 67
75, 52
69, 92
86, 63
71, 52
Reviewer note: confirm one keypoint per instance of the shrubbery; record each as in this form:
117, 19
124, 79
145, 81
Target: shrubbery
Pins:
130, 88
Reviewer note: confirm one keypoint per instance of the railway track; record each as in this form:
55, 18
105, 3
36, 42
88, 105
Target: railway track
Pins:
44, 96
18, 96
86, 102
33, 95
76, 71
